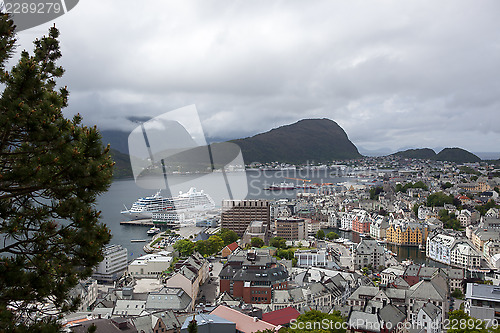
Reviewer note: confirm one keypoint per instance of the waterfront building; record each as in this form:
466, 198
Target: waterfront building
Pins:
291, 228
463, 254
347, 219
403, 232
361, 223
313, 226
439, 246
238, 214
379, 227
252, 276
113, 265
368, 252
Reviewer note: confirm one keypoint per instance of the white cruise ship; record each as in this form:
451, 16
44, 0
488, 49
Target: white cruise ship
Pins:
144, 208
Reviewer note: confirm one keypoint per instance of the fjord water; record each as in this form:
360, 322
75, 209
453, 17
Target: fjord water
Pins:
125, 192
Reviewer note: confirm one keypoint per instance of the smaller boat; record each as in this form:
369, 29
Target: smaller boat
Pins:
281, 186
153, 231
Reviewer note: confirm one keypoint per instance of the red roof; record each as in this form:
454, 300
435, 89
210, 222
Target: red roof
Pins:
281, 317
233, 246
244, 323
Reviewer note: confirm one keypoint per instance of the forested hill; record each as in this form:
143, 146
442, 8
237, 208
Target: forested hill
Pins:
316, 140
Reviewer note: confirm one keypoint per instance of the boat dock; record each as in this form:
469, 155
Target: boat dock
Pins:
139, 240
145, 222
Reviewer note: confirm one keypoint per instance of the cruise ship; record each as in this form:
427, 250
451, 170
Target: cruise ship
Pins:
144, 208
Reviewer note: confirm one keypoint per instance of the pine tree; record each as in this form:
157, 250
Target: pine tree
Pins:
51, 171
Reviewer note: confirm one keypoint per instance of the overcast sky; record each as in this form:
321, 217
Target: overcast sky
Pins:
391, 73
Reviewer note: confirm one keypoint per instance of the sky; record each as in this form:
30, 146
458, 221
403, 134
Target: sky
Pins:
393, 74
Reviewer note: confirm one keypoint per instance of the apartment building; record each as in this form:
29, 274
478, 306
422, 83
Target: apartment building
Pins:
238, 214
291, 228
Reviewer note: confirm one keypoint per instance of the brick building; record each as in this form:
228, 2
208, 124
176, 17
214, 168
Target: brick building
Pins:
252, 276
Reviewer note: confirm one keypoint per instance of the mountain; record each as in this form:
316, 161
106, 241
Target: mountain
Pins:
423, 153
458, 155
310, 140
122, 167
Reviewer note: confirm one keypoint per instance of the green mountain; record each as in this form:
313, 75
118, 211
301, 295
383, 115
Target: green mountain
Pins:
458, 155
122, 167
422, 153
310, 140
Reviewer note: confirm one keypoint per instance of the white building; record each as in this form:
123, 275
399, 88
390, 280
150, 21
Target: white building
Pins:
378, 227
464, 217
463, 254
314, 258
428, 317
113, 265
439, 247
150, 265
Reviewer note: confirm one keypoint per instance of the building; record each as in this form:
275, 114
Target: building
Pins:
378, 227
150, 265
439, 247
291, 228
256, 229
168, 298
229, 249
114, 264
311, 258
482, 301
368, 253
403, 232
238, 214
361, 223
244, 323
252, 276
208, 323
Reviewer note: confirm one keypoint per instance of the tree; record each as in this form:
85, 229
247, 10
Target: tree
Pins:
457, 293
278, 242
375, 192
192, 326
320, 234
332, 235
51, 171
185, 247
215, 243
257, 242
228, 236
461, 322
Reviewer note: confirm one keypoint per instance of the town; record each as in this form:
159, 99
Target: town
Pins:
336, 251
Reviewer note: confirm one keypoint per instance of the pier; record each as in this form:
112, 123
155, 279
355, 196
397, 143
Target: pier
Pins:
145, 222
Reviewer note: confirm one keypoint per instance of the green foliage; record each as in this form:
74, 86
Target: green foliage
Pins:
415, 208
332, 235
457, 293
285, 254
257, 242
462, 322
278, 242
210, 246
311, 321
468, 170
483, 209
320, 234
227, 236
375, 192
192, 326
438, 199
449, 220
446, 185
419, 184
51, 171
185, 247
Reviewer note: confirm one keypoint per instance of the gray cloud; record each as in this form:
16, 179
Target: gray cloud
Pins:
391, 73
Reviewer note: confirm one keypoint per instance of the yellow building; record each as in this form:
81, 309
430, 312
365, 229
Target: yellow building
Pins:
407, 233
